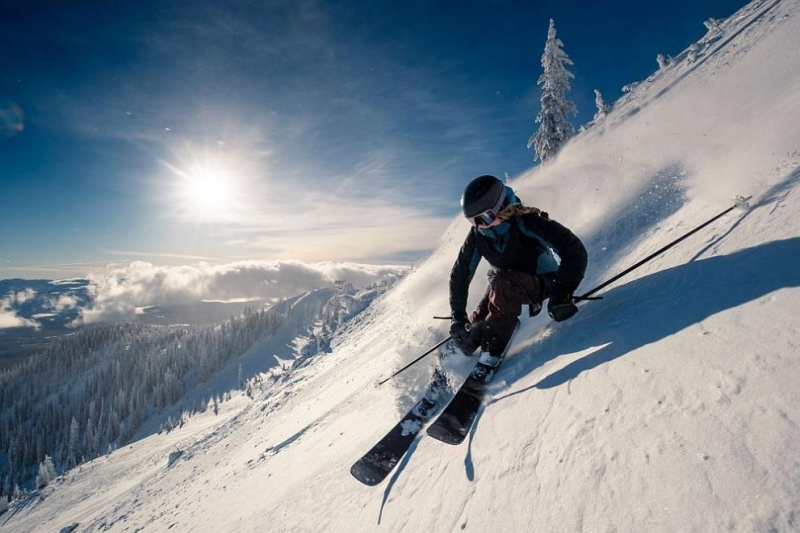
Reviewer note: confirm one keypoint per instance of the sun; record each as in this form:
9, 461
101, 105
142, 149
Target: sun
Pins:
209, 191
206, 187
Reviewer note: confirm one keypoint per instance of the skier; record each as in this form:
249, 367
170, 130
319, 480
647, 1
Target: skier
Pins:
519, 242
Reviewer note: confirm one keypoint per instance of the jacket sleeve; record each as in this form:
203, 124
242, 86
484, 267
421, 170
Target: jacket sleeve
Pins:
569, 248
461, 275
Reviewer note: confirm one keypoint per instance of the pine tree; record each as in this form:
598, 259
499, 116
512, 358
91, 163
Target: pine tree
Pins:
555, 129
73, 448
47, 472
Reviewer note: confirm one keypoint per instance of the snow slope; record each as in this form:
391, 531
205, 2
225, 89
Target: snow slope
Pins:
671, 405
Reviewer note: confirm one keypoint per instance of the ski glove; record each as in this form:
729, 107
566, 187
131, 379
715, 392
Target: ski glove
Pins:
459, 325
561, 305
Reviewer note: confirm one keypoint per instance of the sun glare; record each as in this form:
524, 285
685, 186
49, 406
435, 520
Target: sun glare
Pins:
209, 191
207, 188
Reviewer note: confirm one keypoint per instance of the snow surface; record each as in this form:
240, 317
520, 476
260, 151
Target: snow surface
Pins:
671, 405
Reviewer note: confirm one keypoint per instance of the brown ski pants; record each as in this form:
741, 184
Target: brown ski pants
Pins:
507, 293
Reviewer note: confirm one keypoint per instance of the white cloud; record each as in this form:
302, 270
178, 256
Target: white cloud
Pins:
23, 296
64, 302
9, 318
339, 227
120, 291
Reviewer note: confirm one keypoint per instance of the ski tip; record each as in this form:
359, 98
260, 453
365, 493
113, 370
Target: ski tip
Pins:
366, 475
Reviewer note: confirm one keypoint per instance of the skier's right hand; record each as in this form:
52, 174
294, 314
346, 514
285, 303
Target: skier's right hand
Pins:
459, 325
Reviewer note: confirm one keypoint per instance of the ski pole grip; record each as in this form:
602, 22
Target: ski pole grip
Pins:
468, 325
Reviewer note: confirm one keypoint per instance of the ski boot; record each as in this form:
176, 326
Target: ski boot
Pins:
492, 352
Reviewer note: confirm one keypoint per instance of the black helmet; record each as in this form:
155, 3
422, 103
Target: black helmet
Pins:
483, 195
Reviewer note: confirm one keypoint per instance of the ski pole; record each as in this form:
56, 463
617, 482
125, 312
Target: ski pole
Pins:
415, 361
740, 202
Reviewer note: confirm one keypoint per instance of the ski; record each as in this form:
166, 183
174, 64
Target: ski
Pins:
377, 463
453, 424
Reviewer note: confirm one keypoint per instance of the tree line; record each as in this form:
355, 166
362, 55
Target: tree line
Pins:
90, 391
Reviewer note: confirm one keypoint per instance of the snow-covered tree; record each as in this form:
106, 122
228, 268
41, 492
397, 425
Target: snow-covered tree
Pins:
712, 25
47, 472
629, 88
91, 391
694, 49
554, 126
602, 108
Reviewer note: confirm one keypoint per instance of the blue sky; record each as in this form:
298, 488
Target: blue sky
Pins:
179, 131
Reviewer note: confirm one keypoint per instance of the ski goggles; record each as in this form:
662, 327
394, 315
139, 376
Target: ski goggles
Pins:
484, 219
490, 215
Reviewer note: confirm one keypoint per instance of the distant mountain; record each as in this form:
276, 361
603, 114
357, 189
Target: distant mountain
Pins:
32, 312
37, 311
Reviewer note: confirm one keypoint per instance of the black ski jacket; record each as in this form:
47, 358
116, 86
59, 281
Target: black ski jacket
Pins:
524, 243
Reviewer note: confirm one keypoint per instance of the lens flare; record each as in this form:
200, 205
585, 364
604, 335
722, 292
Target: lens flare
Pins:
12, 119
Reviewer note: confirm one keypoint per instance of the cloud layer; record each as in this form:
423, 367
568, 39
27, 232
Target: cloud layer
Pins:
120, 291
8, 315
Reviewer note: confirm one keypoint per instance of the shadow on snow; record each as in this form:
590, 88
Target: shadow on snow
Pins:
656, 306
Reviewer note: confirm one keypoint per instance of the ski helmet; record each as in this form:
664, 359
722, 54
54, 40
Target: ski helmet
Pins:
482, 199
